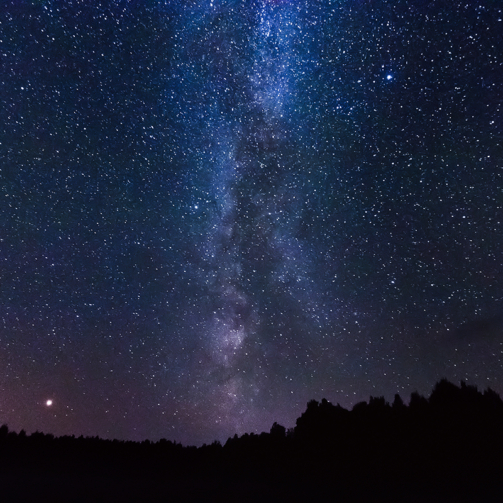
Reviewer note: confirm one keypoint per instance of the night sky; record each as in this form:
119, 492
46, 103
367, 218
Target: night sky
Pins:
214, 211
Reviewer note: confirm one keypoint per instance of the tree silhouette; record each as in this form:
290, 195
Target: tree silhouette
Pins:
444, 448
398, 403
278, 431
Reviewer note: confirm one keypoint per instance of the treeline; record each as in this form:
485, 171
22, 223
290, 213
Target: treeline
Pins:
448, 447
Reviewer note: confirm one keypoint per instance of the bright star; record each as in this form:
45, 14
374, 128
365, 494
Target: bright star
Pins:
48, 403
389, 76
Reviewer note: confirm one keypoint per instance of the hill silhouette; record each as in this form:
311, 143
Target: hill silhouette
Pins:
445, 448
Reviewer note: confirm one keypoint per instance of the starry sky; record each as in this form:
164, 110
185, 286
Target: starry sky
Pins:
214, 211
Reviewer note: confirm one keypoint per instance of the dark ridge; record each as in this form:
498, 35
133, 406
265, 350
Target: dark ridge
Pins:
446, 448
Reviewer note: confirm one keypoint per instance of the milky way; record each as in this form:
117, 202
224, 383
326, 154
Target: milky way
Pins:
213, 212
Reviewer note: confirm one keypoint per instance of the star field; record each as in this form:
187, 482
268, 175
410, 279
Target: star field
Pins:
212, 212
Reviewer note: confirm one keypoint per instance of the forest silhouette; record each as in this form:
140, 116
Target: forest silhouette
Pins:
445, 448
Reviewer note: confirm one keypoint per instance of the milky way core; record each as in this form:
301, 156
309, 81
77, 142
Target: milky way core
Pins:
213, 212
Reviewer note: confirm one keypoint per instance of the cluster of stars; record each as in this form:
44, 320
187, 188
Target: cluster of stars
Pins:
214, 212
